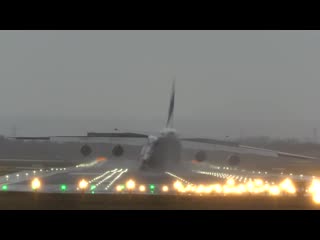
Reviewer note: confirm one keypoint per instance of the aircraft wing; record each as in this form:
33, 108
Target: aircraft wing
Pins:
218, 145
127, 138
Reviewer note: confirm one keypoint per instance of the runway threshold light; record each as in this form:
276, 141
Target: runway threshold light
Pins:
63, 187
35, 184
4, 187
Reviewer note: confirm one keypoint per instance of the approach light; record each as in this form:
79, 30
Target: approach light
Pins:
35, 184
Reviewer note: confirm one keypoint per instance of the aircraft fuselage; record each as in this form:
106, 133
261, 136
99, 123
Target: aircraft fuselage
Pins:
161, 153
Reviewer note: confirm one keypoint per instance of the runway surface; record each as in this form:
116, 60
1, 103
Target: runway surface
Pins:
104, 178
110, 184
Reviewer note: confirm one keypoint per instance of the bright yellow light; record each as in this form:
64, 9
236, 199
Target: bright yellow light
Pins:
291, 189
83, 184
315, 186
316, 198
200, 189
218, 188
285, 183
165, 189
188, 188
258, 182
250, 186
35, 184
142, 188
242, 188
314, 189
237, 190
119, 188
226, 189
130, 184
208, 189
274, 190
177, 185
287, 186
230, 181
266, 187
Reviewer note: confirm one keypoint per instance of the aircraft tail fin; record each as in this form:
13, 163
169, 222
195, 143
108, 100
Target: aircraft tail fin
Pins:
169, 123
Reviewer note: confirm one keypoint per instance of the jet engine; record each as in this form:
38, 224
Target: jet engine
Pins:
85, 150
233, 160
200, 156
117, 150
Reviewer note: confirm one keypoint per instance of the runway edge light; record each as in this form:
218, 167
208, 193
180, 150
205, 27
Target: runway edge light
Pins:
83, 184
152, 187
63, 187
35, 184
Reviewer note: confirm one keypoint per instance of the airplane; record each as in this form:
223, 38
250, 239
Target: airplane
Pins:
163, 150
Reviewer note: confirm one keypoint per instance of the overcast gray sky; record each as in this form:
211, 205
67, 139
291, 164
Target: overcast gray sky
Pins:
228, 82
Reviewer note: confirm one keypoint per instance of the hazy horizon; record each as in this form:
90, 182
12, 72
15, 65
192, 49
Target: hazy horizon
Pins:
228, 83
